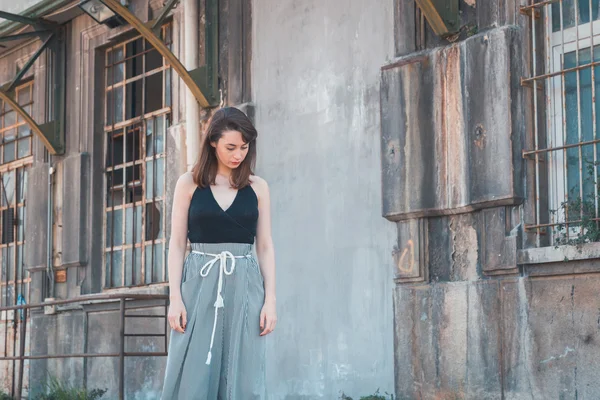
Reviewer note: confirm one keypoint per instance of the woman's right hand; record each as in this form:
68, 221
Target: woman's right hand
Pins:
177, 315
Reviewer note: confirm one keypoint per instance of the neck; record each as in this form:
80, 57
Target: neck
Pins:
224, 171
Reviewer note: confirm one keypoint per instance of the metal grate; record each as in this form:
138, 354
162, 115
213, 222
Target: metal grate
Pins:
564, 76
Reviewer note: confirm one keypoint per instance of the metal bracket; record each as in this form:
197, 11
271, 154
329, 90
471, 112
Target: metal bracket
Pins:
202, 82
50, 133
442, 15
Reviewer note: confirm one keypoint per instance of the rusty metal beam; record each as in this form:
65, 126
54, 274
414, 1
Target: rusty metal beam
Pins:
51, 133
442, 15
158, 44
39, 131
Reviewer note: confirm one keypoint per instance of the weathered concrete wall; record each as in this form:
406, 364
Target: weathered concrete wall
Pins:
316, 90
94, 328
518, 338
478, 315
452, 125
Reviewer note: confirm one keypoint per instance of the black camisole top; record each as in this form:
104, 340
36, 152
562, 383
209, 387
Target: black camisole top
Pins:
209, 223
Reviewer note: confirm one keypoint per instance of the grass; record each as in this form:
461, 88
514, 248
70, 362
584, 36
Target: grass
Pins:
60, 391
374, 396
56, 390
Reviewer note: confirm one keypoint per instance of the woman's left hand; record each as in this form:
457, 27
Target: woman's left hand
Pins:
268, 318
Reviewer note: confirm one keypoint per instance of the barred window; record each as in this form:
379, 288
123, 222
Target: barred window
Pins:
566, 149
15, 153
137, 114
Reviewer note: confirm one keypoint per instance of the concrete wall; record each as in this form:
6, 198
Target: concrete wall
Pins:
315, 72
479, 312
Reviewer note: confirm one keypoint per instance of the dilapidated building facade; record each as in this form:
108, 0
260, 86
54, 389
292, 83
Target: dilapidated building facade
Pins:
490, 170
432, 164
92, 206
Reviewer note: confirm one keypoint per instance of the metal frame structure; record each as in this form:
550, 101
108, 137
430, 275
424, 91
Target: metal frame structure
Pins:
156, 300
442, 15
51, 133
202, 82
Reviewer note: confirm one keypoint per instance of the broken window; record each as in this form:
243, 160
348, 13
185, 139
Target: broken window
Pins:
137, 116
15, 159
15, 279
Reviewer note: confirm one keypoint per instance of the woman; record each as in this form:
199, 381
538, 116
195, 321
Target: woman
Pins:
222, 305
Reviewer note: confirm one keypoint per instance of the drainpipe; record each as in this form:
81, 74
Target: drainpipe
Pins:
192, 122
50, 267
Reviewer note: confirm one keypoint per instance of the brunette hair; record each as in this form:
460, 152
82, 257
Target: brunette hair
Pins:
205, 169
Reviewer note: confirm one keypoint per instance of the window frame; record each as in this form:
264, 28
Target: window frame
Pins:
557, 44
143, 123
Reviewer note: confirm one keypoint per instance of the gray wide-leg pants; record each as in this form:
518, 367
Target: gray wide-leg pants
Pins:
220, 356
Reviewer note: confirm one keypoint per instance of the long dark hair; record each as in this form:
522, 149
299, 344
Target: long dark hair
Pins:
226, 119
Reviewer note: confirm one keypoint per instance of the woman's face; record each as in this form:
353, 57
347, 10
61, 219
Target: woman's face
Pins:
231, 149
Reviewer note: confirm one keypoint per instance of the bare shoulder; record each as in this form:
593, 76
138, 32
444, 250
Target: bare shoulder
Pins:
186, 184
260, 186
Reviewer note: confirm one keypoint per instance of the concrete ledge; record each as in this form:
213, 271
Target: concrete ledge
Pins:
556, 254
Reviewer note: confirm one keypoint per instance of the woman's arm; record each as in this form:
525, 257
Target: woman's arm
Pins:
266, 255
177, 245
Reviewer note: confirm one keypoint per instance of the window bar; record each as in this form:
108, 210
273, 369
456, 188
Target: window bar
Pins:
123, 207
143, 260
154, 183
142, 131
112, 193
564, 121
547, 10
578, 88
535, 128
133, 208
594, 128
163, 177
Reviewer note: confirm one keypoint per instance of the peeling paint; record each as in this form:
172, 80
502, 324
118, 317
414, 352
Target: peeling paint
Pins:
465, 250
563, 355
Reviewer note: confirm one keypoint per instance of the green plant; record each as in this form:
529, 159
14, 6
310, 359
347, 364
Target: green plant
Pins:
4, 396
581, 224
374, 396
56, 390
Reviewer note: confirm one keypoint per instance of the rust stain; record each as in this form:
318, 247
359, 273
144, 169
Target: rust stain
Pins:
406, 61
60, 276
454, 132
406, 261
